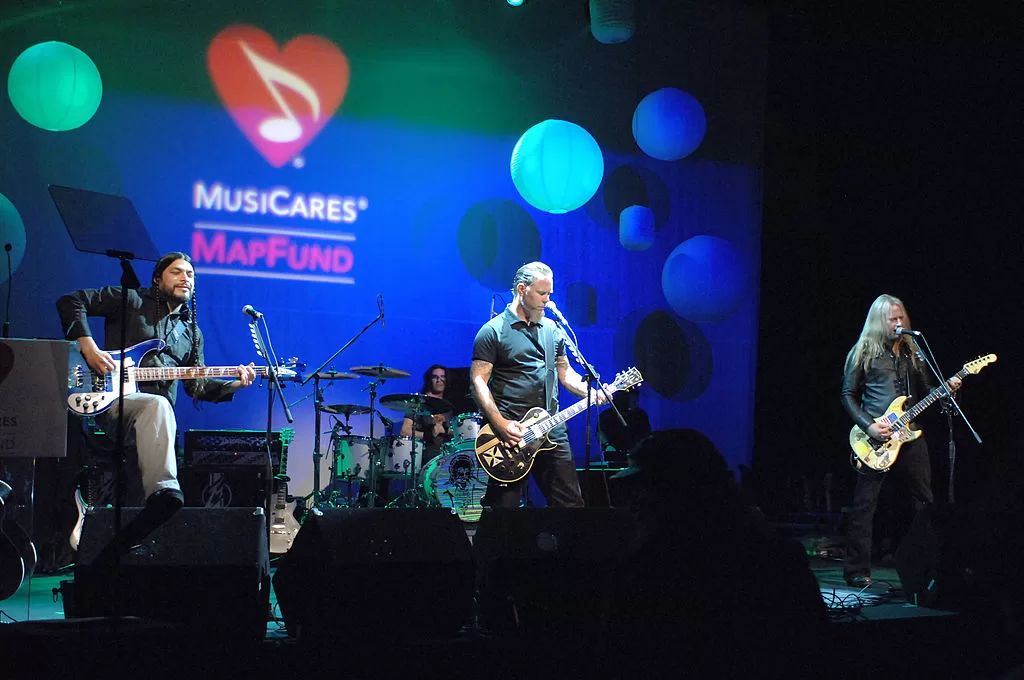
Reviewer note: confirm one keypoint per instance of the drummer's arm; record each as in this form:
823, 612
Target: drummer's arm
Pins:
407, 428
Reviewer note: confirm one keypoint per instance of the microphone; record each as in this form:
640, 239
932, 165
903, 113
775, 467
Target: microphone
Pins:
380, 308
550, 306
251, 311
386, 422
900, 330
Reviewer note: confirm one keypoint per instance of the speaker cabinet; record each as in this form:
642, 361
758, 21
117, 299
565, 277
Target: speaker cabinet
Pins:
207, 567
548, 568
356, 572
930, 557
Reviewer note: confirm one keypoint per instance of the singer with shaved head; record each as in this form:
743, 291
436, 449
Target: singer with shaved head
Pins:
884, 364
519, 360
164, 310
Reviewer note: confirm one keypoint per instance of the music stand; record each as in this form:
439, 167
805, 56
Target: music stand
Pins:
104, 224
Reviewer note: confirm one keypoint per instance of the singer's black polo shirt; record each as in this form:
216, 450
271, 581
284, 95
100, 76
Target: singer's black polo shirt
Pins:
521, 378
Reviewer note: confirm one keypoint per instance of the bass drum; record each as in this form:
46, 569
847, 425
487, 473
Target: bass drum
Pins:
456, 481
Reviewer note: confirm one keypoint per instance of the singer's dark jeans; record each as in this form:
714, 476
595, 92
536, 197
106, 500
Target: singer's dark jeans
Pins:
555, 474
914, 466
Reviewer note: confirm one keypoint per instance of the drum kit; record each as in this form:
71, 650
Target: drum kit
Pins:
359, 464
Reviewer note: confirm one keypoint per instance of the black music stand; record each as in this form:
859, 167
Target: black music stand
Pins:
104, 224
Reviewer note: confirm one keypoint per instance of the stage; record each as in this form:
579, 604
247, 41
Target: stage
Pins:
874, 630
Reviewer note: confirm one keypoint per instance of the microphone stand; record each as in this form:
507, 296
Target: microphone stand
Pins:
129, 280
265, 350
950, 408
592, 378
316, 399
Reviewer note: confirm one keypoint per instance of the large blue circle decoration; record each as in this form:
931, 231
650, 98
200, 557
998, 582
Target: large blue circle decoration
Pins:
557, 166
495, 238
55, 86
12, 230
704, 279
669, 124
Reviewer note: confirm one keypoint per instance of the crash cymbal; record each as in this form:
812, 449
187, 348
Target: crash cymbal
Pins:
336, 375
345, 409
416, 404
379, 371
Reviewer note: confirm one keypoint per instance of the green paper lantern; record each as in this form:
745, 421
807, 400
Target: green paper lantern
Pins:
55, 86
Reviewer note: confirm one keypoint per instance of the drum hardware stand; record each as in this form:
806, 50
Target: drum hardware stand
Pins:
376, 456
412, 488
317, 399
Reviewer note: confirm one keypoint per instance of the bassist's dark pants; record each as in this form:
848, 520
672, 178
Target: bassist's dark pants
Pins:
914, 466
554, 472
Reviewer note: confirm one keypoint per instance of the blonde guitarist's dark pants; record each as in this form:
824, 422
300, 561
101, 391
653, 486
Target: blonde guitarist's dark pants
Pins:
914, 466
555, 474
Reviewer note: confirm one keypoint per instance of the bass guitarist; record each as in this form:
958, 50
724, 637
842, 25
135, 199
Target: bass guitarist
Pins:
166, 311
881, 366
518, 360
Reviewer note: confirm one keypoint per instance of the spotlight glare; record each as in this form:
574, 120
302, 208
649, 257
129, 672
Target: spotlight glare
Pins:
515, 3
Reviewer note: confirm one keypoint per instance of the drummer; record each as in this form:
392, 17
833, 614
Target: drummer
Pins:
434, 430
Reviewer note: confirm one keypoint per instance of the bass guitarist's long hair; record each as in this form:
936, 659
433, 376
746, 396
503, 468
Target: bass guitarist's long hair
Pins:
874, 337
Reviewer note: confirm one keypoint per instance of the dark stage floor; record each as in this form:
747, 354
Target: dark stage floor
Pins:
871, 631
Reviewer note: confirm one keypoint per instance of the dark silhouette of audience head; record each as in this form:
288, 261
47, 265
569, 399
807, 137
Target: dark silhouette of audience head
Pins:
706, 586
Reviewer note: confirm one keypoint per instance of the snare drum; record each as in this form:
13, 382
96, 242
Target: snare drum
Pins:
402, 453
465, 428
456, 481
351, 458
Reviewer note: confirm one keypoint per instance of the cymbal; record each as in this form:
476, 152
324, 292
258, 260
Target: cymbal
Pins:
335, 375
416, 404
345, 409
380, 371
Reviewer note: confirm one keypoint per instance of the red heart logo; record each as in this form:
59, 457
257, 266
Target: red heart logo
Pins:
280, 99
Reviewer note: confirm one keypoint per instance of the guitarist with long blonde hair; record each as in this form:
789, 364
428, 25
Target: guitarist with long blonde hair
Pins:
884, 364
164, 311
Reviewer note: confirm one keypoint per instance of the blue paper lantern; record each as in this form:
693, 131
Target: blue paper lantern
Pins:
669, 124
55, 86
557, 166
612, 21
12, 230
636, 228
704, 279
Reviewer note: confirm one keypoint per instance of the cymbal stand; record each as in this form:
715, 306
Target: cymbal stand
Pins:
318, 399
332, 498
411, 487
375, 460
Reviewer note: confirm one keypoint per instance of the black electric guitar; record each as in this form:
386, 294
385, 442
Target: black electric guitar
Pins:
879, 456
511, 463
17, 553
89, 393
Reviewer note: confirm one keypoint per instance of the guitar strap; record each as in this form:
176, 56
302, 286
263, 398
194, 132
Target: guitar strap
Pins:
547, 339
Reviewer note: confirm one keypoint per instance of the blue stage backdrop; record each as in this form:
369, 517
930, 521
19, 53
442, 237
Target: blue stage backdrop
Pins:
312, 165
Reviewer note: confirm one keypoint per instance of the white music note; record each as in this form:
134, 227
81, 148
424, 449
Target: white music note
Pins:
286, 129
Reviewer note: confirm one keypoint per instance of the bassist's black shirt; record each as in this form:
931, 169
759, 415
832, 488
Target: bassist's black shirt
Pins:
147, 318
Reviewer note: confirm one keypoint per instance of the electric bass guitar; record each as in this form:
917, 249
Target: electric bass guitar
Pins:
879, 456
90, 393
511, 463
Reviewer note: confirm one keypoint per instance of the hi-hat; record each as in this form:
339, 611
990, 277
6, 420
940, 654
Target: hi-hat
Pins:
416, 404
335, 375
379, 371
346, 410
